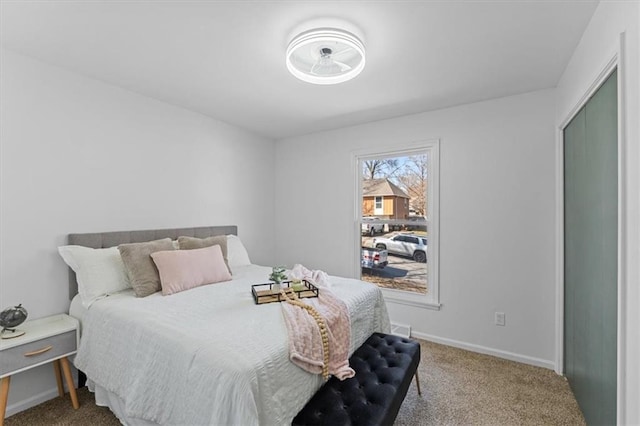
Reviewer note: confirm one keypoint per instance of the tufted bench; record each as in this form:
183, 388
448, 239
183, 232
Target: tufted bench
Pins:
384, 366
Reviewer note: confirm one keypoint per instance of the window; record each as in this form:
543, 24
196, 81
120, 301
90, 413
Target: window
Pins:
378, 210
397, 215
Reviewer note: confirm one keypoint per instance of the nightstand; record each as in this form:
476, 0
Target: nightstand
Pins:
50, 339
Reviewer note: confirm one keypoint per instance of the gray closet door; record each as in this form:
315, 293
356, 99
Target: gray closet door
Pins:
590, 254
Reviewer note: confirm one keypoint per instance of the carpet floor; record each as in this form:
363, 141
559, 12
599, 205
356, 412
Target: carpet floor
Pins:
458, 388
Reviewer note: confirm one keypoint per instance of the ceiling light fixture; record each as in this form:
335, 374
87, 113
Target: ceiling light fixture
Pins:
325, 56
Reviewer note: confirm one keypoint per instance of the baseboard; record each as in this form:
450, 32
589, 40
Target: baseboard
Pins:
25, 404
538, 362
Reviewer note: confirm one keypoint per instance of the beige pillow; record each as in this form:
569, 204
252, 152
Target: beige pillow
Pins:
191, 243
141, 270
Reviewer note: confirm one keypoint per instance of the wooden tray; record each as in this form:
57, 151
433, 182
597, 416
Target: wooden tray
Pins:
264, 293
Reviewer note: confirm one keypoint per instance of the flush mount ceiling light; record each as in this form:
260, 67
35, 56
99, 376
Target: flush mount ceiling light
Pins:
325, 56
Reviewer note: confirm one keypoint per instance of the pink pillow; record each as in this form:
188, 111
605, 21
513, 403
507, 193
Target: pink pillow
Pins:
184, 269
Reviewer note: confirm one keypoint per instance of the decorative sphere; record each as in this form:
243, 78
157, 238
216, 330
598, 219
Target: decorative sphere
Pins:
13, 317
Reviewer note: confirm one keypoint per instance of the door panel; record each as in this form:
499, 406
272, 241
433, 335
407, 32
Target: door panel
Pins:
591, 211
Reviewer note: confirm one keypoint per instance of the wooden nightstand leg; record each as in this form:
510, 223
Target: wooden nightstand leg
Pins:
56, 369
4, 393
69, 379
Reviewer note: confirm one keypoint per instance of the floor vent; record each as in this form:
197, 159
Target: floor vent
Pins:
402, 330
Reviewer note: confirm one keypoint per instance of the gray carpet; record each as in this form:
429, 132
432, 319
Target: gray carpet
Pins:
466, 388
458, 388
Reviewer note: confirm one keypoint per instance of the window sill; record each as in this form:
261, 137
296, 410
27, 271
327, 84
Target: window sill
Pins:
409, 299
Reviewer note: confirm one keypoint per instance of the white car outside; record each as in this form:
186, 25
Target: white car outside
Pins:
411, 245
369, 227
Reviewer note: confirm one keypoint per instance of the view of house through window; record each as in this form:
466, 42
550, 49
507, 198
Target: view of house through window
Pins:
395, 222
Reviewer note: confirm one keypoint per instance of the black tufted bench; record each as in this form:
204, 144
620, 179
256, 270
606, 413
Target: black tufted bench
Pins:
384, 366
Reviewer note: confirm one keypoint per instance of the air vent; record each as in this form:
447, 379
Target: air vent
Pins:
402, 330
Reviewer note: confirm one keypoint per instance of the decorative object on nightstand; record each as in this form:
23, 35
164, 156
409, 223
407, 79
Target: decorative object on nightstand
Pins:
11, 318
50, 339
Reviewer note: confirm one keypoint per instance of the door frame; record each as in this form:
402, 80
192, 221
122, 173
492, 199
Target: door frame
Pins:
616, 61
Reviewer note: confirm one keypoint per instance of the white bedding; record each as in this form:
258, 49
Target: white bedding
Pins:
209, 355
76, 310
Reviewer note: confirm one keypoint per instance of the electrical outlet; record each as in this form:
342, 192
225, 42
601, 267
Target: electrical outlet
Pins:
500, 318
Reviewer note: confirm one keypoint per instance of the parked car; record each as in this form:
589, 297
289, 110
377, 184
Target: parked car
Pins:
373, 258
418, 223
411, 245
369, 227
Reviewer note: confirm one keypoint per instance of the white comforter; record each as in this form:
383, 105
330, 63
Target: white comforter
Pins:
209, 355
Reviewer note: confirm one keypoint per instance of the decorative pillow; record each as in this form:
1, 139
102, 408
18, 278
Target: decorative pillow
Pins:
236, 252
99, 272
182, 270
142, 272
190, 243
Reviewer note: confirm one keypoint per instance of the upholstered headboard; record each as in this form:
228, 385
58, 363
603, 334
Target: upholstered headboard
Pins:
111, 239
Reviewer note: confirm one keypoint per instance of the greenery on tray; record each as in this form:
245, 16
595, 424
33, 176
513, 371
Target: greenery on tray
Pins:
278, 274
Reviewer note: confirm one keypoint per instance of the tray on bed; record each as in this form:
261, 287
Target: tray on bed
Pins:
264, 293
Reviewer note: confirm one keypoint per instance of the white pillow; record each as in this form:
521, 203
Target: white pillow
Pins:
236, 253
99, 272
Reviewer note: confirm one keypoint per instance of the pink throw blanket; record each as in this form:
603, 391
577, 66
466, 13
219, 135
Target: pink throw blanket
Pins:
305, 341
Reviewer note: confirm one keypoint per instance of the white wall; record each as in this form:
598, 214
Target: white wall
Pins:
82, 156
600, 41
497, 206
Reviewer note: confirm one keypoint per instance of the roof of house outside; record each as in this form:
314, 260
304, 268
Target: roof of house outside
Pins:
381, 187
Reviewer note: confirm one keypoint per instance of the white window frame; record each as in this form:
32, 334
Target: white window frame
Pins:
432, 147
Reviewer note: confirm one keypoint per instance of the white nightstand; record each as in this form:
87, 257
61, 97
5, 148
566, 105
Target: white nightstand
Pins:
49, 339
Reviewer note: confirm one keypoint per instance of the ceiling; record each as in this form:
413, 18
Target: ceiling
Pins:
226, 59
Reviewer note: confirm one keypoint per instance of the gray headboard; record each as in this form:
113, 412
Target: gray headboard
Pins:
111, 239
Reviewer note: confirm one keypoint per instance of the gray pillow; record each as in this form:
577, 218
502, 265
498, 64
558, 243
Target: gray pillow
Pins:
190, 243
143, 273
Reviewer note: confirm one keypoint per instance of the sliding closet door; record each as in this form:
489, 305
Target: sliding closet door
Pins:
591, 258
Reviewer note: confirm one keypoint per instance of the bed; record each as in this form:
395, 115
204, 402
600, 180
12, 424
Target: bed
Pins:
208, 355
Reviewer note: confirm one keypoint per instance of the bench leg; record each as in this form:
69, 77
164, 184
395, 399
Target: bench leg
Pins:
418, 383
